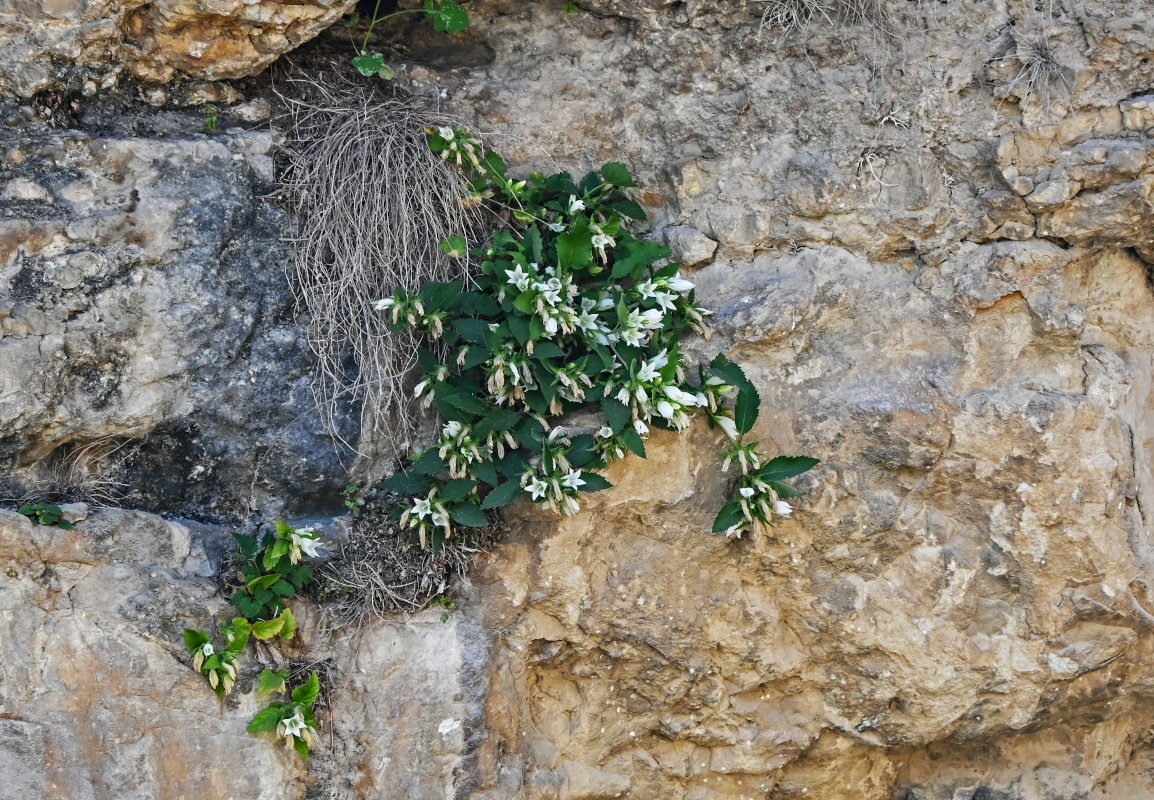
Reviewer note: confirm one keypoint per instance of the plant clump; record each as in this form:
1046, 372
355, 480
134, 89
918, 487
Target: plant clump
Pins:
569, 312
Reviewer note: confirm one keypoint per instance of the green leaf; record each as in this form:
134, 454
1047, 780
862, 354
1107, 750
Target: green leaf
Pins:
272, 681
307, 693
581, 450
27, 510
194, 640
546, 349
617, 174
617, 414
519, 326
290, 624
65, 525
267, 718
409, 483
301, 746
450, 17
485, 472
533, 244
784, 467
503, 495
245, 604
267, 629
468, 514
594, 482
456, 489
386, 73
729, 516
746, 409
633, 441
274, 554
501, 419
471, 330
634, 255
263, 582
629, 208
369, 64
575, 247
731, 373
283, 588
784, 490
247, 544
430, 463
455, 246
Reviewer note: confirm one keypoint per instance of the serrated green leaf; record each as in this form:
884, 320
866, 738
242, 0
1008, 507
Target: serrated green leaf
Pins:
408, 483
503, 495
632, 439
455, 246
283, 588
194, 639
274, 554
450, 17
629, 208
617, 174
267, 629
471, 330
290, 624
456, 489
272, 681
468, 514
617, 414
729, 516
485, 472
575, 247
784, 467
307, 693
263, 582
430, 463
369, 64
746, 409
581, 450
267, 718
533, 244
784, 490
594, 482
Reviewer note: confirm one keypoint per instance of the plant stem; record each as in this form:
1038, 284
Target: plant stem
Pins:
377, 19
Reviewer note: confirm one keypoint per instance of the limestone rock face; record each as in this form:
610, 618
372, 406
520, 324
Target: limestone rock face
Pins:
143, 307
97, 696
42, 43
936, 272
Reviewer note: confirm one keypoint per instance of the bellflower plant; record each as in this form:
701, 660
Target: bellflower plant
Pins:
569, 312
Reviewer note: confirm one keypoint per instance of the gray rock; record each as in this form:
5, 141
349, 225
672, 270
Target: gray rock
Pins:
690, 246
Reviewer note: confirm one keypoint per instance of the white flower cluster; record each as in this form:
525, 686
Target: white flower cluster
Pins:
296, 726
426, 513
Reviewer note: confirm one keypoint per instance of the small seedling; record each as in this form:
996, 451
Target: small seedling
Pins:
447, 603
448, 17
46, 514
211, 113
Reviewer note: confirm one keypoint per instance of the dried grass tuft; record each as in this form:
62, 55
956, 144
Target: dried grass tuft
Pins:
374, 204
793, 16
382, 569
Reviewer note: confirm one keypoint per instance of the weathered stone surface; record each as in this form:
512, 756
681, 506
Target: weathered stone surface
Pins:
143, 301
96, 700
50, 45
961, 608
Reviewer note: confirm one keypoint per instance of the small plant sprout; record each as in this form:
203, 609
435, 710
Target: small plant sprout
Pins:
570, 312
446, 15
46, 514
293, 721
